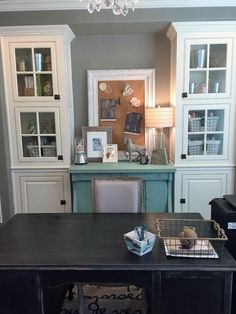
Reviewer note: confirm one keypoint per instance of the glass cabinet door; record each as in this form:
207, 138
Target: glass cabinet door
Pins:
208, 68
38, 137
205, 132
33, 69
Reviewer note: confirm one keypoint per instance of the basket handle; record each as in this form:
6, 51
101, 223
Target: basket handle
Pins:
220, 232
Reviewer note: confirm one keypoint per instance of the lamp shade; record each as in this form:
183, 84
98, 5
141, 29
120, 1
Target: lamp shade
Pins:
159, 117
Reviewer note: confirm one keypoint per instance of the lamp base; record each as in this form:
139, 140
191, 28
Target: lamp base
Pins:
159, 157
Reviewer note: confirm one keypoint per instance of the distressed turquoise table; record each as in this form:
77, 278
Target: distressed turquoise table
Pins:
157, 182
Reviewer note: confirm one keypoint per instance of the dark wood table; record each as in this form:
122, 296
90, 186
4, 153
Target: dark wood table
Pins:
41, 251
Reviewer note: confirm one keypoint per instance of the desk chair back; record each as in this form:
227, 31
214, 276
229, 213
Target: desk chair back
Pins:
117, 195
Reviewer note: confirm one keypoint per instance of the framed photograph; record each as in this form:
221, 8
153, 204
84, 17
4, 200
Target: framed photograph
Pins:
118, 98
95, 138
110, 153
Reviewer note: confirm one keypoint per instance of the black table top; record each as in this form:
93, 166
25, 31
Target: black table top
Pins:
90, 242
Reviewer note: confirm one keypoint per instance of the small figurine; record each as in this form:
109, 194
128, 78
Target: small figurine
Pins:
132, 148
32, 129
47, 89
189, 236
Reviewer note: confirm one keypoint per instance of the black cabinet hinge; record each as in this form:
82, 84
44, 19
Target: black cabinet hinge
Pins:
63, 202
182, 201
60, 157
57, 97
184, 95
183, 156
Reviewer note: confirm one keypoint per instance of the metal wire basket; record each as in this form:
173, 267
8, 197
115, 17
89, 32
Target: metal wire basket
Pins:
33, 150
206, 241
212, 123
195, 147
213, 147
195, 124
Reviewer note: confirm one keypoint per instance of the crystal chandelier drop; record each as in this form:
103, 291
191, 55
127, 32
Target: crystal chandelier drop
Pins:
118, 6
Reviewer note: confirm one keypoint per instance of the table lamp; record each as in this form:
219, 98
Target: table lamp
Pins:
159, 118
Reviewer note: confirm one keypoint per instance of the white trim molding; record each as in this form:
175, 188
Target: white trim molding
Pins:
42, 5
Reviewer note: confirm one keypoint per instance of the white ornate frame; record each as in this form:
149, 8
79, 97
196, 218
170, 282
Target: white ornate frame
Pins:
147, 75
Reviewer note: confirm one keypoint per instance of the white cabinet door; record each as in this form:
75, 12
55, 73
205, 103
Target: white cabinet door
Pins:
34, 71
208, 67
41, 192
205, 132
196, 189
38, 134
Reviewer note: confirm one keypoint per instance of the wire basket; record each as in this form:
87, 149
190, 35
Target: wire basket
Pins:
195, 148
213, 147
33, 150
48, 150
195, 124
204, 239
212, 123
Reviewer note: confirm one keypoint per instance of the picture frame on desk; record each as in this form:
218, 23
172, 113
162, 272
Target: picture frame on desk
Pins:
110, 153
95, 138
112, 94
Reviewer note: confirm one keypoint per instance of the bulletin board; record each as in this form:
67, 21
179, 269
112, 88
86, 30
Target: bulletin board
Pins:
121, 106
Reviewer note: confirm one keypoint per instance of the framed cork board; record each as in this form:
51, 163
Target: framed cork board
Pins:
118, 98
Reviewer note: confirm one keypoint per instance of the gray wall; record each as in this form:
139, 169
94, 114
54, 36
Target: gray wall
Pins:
101, 52
5, 180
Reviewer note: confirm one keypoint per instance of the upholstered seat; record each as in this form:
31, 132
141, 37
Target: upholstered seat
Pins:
113, 195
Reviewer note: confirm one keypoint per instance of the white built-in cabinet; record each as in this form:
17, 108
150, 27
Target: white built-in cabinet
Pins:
202, 142
36, 63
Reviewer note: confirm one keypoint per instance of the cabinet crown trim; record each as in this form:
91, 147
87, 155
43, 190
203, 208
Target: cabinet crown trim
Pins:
191, 27
34, 30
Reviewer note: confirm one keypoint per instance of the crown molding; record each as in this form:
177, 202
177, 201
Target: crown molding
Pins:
42, 5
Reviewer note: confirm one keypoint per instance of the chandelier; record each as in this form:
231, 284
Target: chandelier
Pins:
118, 6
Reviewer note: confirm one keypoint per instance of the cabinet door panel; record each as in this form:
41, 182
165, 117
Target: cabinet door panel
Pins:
199, 190
34, 71
207, 70
42, 194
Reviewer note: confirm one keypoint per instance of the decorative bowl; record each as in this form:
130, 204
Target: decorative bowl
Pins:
138, 247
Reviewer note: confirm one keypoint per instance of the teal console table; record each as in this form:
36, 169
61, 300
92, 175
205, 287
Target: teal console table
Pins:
157, 182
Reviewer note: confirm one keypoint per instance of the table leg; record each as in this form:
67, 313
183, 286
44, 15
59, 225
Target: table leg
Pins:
227, 298
155, 300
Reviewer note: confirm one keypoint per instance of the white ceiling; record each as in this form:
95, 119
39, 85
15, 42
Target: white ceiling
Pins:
150, 16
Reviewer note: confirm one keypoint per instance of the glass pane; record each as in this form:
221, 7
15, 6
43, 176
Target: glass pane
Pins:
42, 59
48, 146
197, 82
195, 144
47, 122
30, 146
196, 121
23, 59
44, 84
215, 120
25, 85
217, 81
214, 144
218, 55
198, 56
28, 123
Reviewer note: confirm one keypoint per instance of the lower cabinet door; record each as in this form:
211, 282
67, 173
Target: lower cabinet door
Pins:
194, 191
41, 193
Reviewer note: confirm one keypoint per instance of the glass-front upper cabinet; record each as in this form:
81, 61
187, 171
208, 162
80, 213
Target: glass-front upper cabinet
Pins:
208, 70
38, 134
34, 71
205, 131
